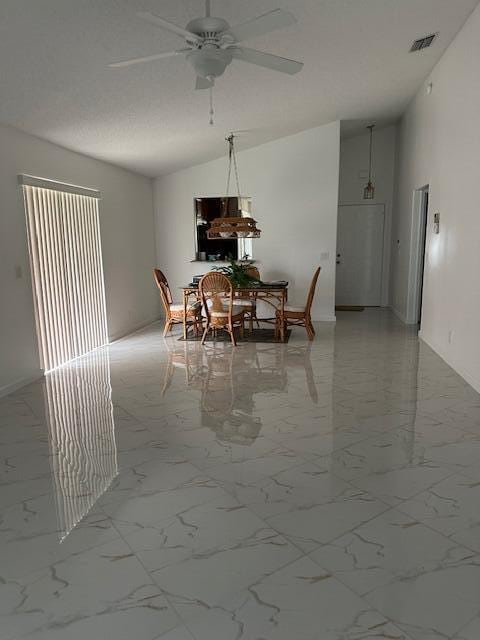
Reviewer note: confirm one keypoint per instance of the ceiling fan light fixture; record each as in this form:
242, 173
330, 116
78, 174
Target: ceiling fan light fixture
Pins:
209, 61
212, 44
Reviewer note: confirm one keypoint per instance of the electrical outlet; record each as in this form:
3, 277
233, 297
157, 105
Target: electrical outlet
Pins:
450, 335
325, 255
18, 271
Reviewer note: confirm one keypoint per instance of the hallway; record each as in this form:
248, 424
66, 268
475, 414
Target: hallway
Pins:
156, 489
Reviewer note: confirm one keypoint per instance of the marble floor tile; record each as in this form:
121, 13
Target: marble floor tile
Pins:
300, 601
435, 604
471, 631
391, 548
161, 490
311, 525
102, 592
450, 507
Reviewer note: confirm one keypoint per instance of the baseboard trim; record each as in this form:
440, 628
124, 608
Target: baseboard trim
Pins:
326, 319
135, 329
18, 384
399, 315
472, 379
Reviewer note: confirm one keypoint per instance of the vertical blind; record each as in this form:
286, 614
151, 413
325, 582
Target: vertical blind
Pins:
67, 272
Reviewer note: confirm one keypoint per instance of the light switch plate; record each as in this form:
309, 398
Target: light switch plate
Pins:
325, 255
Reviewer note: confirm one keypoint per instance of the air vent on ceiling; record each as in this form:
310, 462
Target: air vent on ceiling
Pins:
423, 43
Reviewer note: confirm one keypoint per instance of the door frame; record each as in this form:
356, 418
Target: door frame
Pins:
417, 249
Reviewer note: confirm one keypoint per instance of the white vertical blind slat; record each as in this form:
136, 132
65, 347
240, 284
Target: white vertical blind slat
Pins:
66, 262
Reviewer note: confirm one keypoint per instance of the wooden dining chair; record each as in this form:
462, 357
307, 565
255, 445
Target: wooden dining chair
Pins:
299, 316
174, 313
216, 295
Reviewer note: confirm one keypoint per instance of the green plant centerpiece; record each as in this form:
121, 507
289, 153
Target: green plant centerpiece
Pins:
238, 273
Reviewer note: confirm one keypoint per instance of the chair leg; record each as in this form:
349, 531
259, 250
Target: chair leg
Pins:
205, 333
251, 320
309, 328
309, 321
167, 328
232, 336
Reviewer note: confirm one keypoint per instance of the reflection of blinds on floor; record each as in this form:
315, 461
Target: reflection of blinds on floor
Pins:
82, 436
67, 273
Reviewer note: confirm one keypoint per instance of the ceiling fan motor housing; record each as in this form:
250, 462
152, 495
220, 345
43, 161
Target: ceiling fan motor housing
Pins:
209, 27
209, 61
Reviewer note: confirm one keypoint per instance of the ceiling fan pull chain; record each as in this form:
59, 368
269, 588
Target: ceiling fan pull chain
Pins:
212, 112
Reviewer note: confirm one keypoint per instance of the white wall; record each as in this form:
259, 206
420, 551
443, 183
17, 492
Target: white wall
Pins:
126, 213
293, 183
354, 162
439, 145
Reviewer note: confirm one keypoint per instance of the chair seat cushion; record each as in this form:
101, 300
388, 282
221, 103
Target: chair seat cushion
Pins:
192, 309
244, 303
293, 309
236, 311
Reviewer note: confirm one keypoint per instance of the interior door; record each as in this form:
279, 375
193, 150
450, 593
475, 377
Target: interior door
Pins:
360, 255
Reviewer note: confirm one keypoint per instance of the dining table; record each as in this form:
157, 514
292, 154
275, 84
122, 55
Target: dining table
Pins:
274, 294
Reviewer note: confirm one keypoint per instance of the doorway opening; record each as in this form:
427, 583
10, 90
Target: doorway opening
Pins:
417, 255
360, 245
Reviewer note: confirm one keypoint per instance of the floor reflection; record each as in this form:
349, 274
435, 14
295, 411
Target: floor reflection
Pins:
229, 379
377, 391
81, 436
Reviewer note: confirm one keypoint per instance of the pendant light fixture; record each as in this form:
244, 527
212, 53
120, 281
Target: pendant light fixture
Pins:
369, 191
232, 226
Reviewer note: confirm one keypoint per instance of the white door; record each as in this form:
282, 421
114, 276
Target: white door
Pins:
360, 255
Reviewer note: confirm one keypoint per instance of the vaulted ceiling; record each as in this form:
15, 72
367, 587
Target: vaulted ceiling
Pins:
55, 82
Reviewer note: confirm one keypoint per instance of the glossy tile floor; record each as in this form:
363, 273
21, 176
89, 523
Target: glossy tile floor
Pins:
158, 489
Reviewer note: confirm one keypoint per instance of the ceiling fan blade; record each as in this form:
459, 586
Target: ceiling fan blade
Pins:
157, 56
164, 24
271, 21
262, 59
203, 83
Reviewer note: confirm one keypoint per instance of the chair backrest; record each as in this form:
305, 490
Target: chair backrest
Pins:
311, 292
162, 284
213, 288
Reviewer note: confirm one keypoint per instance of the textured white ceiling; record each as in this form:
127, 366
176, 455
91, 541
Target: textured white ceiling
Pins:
55, 82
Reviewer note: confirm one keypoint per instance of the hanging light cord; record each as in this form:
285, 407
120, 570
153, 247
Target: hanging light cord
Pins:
232, 159
212, 112
370, 161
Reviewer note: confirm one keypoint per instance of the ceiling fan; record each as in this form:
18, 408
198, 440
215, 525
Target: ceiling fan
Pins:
212, 44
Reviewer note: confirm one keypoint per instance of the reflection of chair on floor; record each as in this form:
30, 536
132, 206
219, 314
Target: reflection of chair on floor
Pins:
222, 409
300, 357
187, 357
174, 313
